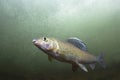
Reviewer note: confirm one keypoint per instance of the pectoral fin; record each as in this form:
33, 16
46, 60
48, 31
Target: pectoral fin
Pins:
50, 58
82, 66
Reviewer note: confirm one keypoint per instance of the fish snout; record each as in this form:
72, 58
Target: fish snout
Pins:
34, 40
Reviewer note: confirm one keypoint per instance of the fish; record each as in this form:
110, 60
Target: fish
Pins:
73, 51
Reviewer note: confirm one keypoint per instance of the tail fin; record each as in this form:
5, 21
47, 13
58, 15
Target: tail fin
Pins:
101, 60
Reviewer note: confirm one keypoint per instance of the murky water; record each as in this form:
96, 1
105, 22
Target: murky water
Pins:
97, 23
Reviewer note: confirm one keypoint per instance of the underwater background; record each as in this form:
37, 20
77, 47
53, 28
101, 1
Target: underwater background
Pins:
96, 22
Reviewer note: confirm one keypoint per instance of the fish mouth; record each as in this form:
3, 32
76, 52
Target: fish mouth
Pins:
34, 40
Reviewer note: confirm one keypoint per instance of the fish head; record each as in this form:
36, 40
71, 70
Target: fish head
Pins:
44, 43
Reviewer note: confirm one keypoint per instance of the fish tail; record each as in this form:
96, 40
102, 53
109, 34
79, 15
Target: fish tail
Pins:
101, 61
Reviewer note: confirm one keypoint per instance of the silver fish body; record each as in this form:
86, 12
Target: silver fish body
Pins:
74, 51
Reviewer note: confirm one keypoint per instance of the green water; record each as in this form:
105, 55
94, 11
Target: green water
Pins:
97, 23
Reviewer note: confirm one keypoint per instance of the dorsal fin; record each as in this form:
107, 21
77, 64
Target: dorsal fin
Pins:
77, 43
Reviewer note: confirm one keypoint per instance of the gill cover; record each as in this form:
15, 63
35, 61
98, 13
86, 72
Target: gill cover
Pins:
47, 44
50, 45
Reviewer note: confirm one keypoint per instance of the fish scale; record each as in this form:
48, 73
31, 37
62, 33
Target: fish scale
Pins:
74, 51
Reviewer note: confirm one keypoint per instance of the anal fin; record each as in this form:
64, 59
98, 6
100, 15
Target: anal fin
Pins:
82, 66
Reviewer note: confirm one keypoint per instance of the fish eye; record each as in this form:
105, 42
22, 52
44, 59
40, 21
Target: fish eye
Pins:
44, 38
